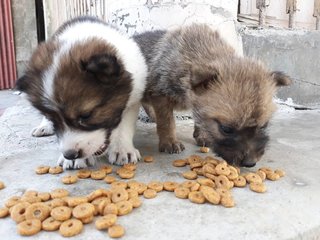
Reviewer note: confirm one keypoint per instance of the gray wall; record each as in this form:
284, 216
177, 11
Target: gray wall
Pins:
297, 53
25, 31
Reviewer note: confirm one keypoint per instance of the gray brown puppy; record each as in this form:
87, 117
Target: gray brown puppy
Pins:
230, 96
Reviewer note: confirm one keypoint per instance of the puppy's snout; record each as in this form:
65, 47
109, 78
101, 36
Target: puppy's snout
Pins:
71, 154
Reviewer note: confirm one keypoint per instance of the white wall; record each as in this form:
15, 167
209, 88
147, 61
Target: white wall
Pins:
150, 14
135, 16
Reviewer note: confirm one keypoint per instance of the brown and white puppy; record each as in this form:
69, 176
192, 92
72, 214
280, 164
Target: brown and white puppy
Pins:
230, 96
87, 80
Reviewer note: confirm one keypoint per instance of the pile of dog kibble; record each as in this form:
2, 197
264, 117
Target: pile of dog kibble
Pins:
208, 180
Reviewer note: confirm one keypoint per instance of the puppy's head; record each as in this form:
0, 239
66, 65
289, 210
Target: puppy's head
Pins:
233, 103
83, 89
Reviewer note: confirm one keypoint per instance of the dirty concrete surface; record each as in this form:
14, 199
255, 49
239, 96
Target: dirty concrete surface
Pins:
289, 209
8, 98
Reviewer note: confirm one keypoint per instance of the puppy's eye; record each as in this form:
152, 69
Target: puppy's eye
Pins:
84, 117
226, 129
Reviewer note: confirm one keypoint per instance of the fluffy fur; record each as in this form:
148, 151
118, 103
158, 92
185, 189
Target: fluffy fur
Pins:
87, 80
231, 96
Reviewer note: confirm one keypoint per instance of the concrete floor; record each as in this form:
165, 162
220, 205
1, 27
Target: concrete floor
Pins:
290, 208
8, 98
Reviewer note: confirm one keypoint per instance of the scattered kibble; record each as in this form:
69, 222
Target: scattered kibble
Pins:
204, 149
57, 210
148, 159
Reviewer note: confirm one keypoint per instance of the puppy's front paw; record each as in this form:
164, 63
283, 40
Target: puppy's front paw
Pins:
72, 164
80, 163
42, 130
65, 163
121, 153
171, 147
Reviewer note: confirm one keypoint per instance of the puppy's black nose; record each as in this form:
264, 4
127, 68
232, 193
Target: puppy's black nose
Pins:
71, 154
249, 165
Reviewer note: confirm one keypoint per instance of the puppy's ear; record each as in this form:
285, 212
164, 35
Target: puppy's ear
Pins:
201, 80
106, 67
281, 79
22, 84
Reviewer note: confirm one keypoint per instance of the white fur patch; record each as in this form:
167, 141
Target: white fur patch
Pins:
48, 77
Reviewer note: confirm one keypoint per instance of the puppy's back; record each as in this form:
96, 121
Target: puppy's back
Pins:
148, 42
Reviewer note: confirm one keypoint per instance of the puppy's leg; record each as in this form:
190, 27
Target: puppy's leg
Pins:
166, 127
121, 149
44, 129
149, 111
201, 136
